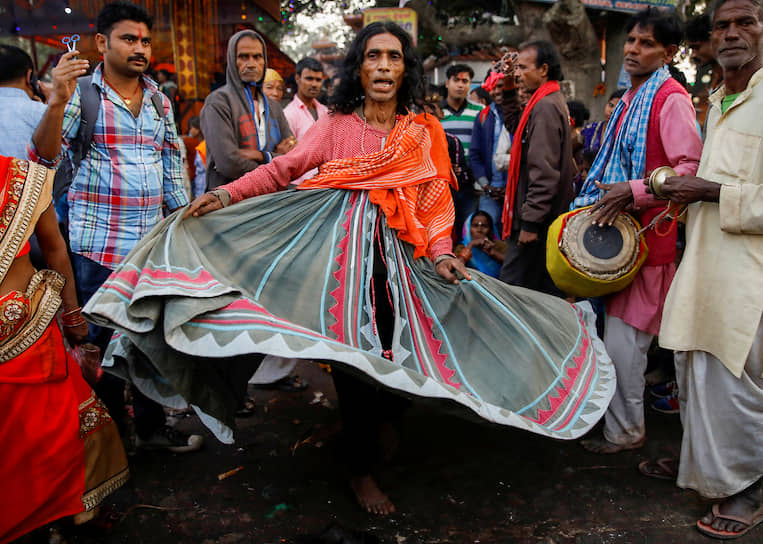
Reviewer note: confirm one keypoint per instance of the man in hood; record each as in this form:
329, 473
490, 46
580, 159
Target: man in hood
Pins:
248, 128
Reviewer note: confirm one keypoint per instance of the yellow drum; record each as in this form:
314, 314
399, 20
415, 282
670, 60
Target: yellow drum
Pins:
586, 260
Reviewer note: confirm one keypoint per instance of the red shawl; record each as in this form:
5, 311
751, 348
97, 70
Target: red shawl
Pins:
516, 155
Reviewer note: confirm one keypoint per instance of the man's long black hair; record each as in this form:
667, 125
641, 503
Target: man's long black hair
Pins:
349, 94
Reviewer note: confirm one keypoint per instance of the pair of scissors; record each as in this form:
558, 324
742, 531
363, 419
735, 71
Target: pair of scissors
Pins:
71, 41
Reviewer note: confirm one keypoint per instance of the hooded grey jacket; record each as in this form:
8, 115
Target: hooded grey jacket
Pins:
228, 124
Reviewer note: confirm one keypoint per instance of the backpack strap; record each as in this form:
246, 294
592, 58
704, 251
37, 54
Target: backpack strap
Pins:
156, 100
90, 103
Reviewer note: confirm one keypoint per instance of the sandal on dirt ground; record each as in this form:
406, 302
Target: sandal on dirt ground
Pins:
291, 384
247, 408
665, 468
599, 444
708, 530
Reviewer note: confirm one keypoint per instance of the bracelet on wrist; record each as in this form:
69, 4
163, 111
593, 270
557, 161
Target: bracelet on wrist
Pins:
72, 312
442, 257
75, 324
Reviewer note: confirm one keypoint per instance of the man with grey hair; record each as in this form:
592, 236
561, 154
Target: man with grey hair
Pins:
712, 315
244, 128
249, 129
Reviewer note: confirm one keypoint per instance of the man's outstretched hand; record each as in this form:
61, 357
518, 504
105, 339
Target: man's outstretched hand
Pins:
452, 269
202, 205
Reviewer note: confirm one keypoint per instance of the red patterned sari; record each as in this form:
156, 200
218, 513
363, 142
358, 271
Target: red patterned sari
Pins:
61, 451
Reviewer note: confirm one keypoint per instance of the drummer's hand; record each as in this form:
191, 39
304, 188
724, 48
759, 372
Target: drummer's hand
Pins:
451, 269
202, 205
617, 197
688, 189
527, 238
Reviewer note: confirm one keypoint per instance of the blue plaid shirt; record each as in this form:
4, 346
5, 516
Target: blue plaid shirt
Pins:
133, 166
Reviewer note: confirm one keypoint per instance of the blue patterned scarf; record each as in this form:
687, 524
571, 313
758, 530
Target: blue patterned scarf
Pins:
273, 132
623, 157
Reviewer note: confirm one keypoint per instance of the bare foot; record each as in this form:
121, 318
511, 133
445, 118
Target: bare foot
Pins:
389, 439
736, 515
370, 497
602, 445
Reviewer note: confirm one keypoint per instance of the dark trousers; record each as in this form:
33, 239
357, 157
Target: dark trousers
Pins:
149, 415
364, 407
525, 266
465, 204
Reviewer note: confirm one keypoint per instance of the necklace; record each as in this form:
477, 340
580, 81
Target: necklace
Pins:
126, 99
362, 115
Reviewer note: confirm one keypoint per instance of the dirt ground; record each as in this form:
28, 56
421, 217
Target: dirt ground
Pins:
453, 481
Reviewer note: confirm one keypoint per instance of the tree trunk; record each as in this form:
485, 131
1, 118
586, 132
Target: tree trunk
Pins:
576, 40
565, 24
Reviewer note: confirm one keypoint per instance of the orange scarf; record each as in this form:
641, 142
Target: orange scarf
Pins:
516, 155
408, 180
201, 149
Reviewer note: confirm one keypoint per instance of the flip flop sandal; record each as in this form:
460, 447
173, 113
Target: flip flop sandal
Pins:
708, 530
593, 445
662, 469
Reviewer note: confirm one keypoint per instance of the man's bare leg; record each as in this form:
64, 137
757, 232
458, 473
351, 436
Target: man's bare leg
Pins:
389, 439
370, 497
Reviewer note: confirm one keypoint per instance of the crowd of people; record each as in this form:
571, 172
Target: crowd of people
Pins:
372, 227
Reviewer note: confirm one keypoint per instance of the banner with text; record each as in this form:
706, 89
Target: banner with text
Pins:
405, 17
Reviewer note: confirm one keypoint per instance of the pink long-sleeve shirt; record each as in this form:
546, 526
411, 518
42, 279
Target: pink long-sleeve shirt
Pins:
300, 120
335, 136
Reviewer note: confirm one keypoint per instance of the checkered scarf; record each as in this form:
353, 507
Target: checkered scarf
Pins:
622, 155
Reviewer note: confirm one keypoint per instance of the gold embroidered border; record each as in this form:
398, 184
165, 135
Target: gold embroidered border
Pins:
51, 283
92, 415
94, 497
38, 185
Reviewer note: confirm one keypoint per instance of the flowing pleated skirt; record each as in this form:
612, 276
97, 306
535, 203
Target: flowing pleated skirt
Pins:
290, 274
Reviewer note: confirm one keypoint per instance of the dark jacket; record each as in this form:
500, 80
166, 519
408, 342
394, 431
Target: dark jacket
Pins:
228, 125
483, 145
546, 171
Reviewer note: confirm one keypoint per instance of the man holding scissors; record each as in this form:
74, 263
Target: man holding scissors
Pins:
131, 172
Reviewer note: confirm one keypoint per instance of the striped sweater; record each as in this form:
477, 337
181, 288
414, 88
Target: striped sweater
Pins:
460, 123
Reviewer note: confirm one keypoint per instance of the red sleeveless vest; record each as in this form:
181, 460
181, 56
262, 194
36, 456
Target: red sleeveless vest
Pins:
662, 249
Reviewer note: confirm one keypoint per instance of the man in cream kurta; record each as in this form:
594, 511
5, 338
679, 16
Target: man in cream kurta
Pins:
712, 315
